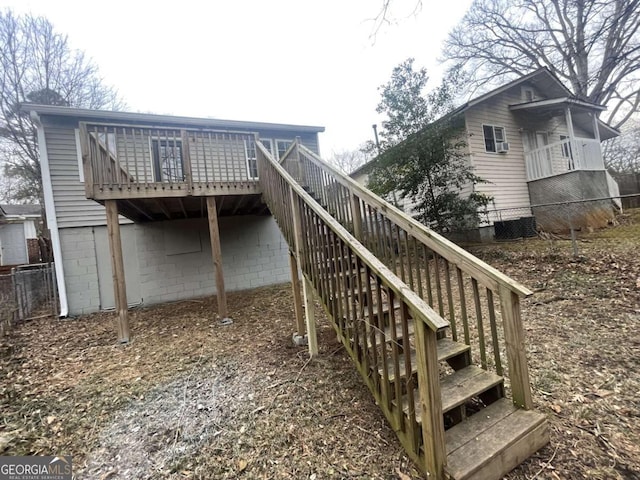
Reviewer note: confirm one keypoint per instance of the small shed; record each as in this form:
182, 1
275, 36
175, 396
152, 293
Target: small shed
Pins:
18, 234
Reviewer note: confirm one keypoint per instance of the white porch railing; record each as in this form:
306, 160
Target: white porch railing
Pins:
564, 156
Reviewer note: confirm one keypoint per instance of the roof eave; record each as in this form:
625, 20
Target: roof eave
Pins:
552, 102
83, 113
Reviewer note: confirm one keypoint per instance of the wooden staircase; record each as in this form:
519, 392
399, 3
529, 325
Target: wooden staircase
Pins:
486, 434
419, 343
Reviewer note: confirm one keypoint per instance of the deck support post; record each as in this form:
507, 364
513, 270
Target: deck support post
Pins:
435, 452
117, 269
295, 256
310, 317
216, 251
297, 295
516, 352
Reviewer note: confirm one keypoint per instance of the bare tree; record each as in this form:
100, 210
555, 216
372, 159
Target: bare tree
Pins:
38, 65
350, 160
622, 154
591, 45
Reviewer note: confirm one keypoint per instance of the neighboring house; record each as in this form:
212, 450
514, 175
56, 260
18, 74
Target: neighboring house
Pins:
18, 234
159, 172
535, 143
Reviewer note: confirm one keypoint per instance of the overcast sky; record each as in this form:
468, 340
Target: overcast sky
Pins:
284, 61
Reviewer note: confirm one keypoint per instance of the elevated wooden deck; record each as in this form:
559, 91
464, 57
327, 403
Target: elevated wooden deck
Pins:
176, 208
160, 173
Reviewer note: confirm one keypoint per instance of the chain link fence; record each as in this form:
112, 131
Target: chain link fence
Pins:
556, 221
27, 292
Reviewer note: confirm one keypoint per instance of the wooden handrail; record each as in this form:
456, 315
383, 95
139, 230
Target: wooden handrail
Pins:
420, 256
416, 304
470, 264
369, 307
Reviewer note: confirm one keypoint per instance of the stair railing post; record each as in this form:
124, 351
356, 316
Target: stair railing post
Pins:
300, 177
297, 296
307, 288
186, 160
435, 452
356, 216
516, 352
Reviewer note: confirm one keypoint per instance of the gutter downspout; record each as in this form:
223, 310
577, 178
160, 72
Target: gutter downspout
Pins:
52, 220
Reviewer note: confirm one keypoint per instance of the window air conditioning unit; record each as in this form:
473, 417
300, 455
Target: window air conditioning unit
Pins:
502, 147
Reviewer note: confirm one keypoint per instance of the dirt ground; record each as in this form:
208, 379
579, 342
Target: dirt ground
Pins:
192, 399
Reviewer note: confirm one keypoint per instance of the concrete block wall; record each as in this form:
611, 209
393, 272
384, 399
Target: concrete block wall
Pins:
80, 269
175, 261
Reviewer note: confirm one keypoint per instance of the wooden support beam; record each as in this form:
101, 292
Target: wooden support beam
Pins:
310, 317
239, 202
163, 208
308, 288
297, 295
184, 210
117, 268
138, 209
214, 233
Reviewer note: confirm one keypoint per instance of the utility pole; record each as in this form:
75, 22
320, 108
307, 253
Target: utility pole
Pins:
375, 134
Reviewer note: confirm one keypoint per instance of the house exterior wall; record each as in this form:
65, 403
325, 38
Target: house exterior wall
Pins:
504, 172
254, 251
174, 259
72, 207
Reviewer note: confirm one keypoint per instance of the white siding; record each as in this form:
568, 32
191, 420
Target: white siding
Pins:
505, 172
73, 209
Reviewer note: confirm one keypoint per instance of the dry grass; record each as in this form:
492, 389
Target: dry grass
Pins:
190, 399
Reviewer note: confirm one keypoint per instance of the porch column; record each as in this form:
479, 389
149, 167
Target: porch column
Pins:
117, 269
596, 130
214, 234
572, 138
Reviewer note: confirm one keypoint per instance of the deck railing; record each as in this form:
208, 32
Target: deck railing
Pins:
562, 157
124, 161
373, 312
481, 304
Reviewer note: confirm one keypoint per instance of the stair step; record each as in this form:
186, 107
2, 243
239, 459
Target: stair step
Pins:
387, 330
459, 387
493, 441
447, 349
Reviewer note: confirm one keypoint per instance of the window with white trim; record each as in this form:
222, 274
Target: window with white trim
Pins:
268, 144
492, 136
528, 94
168, 165
252, 159
282, 146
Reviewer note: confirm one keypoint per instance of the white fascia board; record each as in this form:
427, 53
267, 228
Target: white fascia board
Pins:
52, 220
